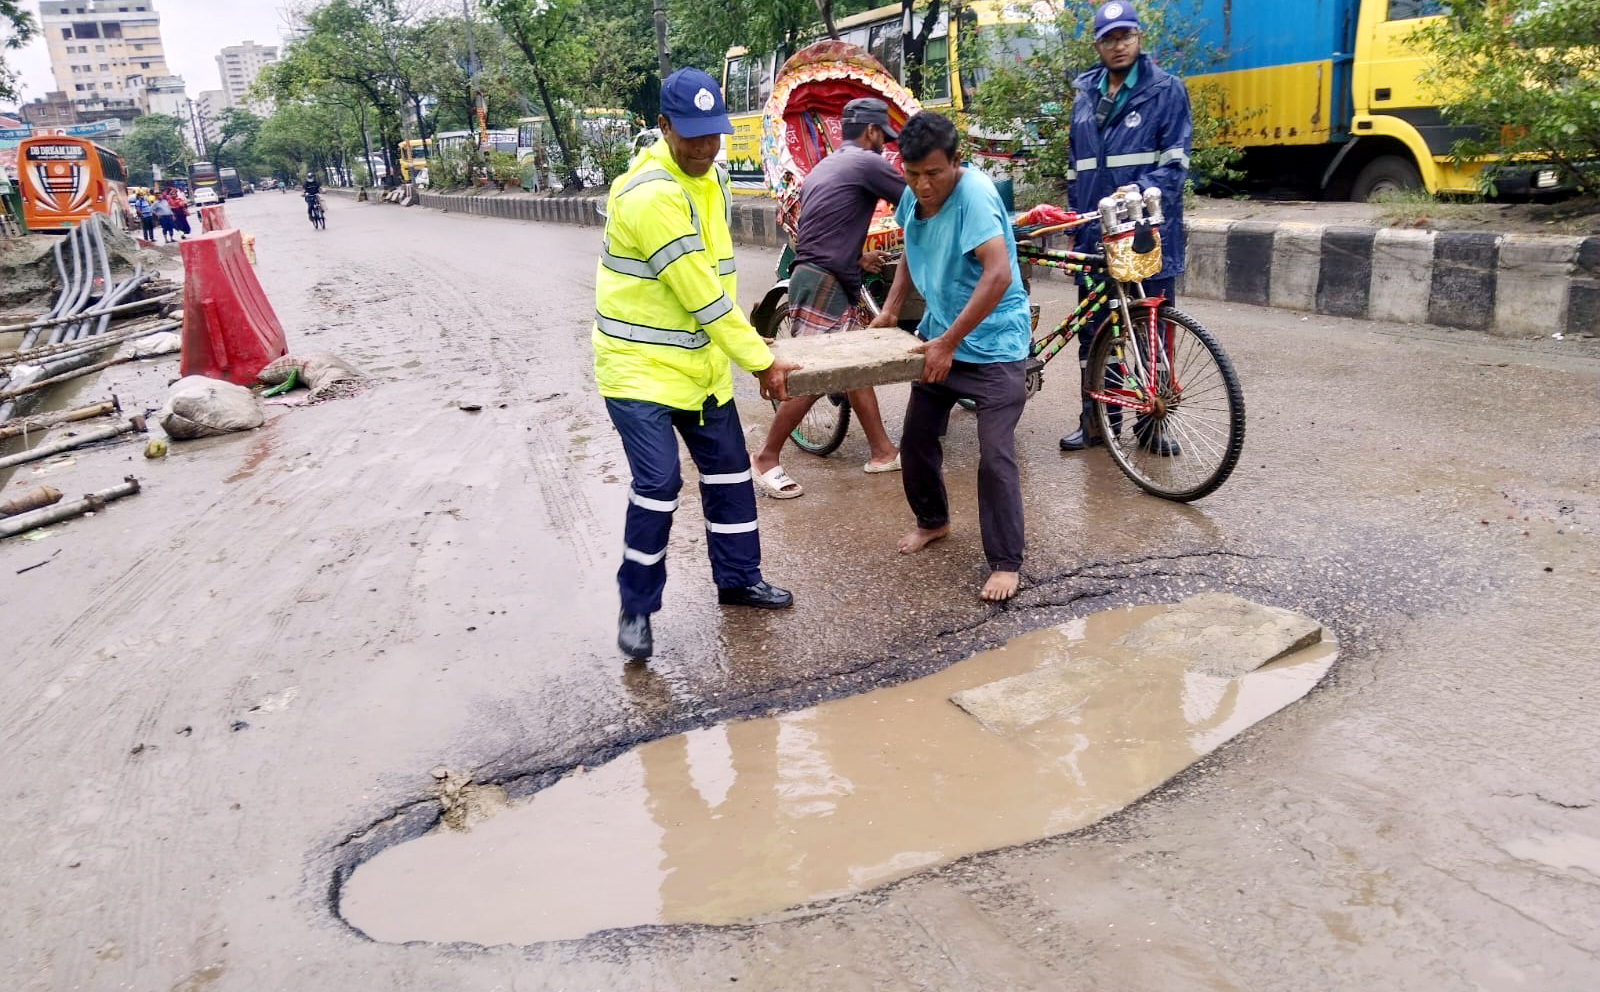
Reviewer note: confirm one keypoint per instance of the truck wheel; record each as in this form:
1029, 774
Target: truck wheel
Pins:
1386, 173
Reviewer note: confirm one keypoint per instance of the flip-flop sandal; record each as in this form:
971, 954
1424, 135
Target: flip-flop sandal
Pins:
775, 482
893, 466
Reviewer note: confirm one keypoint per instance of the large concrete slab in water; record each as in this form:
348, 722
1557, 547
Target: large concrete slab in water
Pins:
1212, 634
1223, 635
836, 363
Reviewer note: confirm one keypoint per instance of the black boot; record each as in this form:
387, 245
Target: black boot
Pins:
1086, 436
1154, 440
633, 636
767, 597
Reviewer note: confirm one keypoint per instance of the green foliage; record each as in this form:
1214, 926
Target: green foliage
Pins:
1022, 76
1527, 72
17, 28
155, 139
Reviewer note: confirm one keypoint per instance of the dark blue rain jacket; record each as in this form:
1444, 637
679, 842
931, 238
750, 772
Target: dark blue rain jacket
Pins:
1145, 141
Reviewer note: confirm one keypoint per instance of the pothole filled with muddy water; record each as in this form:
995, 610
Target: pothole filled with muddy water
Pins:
739, 822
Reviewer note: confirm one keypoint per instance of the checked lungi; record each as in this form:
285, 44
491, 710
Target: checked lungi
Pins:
715, 441
818, 302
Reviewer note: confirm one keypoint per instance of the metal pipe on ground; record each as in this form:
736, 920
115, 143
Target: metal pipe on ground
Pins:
34, 387
140, 327
44, 451
34, 499
49, 321
22, 426
91, 503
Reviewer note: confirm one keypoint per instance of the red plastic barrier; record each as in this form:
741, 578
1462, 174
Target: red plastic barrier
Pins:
229, 329
213, 219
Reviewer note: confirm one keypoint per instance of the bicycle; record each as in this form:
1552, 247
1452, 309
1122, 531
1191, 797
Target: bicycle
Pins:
319, 216
1149, 361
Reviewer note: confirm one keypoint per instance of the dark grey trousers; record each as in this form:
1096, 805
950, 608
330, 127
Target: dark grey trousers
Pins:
999, 393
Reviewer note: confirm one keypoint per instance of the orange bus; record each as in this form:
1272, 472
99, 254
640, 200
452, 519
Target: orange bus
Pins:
63, 180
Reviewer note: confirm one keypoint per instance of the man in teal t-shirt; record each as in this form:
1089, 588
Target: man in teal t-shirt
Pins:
962, 257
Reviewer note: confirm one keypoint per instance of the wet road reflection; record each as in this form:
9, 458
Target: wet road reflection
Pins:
743, 820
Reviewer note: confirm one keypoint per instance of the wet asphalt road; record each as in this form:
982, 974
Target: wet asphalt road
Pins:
223, 692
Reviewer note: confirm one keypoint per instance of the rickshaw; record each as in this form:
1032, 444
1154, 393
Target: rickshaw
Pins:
1149, 363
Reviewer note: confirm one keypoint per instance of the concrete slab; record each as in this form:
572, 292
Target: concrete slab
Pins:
1206, 275
835, 363
1012, 705
1223, 635
1535, 275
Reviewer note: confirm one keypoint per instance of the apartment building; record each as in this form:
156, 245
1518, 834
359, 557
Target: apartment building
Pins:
239, 65
103, 51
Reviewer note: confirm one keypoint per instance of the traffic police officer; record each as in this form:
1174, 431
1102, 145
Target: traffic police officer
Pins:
666, 326
1130, 124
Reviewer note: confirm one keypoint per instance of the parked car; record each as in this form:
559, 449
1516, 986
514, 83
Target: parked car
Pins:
206, 196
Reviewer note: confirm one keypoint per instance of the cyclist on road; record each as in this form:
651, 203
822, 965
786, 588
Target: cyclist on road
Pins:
311, 190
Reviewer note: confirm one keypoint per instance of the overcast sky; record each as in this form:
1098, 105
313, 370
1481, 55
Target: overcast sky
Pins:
194, 31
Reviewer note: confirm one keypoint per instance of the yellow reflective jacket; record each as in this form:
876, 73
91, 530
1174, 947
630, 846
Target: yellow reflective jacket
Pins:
666, 317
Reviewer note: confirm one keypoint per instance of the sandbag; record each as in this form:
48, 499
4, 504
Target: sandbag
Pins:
201, 407
153, 345
326, 375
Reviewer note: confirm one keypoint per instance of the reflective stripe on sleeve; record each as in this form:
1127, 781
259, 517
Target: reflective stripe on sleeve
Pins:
726, 480
646, 503
629, 554
1174, 155
713, 311
648, 176
674, 250
730, 528
1086, 164
726, 267
645, 334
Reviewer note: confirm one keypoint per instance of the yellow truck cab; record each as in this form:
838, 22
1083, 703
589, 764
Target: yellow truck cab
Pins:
1326, 94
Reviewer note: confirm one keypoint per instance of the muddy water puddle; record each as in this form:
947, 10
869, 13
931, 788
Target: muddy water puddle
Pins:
742, 821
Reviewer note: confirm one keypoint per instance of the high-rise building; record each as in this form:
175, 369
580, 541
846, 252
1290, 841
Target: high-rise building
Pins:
239, 65
103, 51
168, 95
208, 108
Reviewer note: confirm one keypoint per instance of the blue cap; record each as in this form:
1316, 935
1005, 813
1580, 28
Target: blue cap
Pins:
692, 101
1114, 15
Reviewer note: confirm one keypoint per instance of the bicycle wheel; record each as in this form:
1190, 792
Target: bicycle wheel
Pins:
828, 420
1187, 427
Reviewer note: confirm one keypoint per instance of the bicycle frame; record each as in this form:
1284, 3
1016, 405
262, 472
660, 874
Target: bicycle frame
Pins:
1122, 299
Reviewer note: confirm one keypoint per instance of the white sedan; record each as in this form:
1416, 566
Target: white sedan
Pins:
205, 196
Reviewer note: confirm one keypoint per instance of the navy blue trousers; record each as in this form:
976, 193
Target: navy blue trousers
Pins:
715, 441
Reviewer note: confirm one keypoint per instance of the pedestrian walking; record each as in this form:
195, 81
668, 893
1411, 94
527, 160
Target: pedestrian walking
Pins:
666, 326
180, 212
147, 216
1130, 124
836, 206
962, 256
162, 208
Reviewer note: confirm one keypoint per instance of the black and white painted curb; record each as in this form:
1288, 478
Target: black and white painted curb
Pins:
1517, 285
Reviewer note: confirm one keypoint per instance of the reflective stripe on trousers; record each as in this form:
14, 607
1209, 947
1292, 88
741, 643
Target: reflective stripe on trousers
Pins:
715, 441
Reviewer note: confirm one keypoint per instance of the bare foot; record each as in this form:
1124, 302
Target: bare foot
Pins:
921, 538
1000, 587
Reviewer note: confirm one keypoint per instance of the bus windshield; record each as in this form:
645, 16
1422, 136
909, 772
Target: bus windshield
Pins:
65, 180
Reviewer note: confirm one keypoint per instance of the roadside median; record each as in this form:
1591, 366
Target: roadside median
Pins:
1509, 284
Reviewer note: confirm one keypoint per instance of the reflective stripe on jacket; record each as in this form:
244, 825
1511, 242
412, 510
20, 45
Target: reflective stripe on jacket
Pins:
666, 317
1146, 141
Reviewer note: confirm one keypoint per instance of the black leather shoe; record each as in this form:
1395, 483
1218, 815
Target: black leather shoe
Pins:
633, 636
1079, 440
1156, 442
767, 597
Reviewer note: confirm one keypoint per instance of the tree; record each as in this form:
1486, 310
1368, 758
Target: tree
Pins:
237, 131
1526, 74
554, 53
17, 28
155, 139
1018, 78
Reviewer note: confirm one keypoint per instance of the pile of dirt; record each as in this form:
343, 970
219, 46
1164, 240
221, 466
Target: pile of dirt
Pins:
27, 269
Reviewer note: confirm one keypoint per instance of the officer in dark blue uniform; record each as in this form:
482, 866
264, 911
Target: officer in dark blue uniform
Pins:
1130, 124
